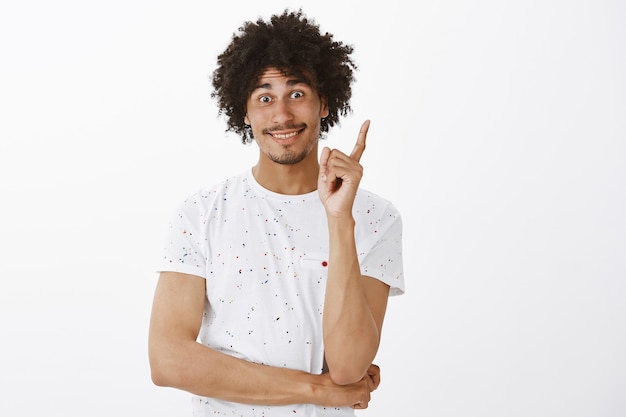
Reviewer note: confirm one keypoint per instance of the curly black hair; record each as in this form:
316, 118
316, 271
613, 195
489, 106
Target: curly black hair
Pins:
292, 43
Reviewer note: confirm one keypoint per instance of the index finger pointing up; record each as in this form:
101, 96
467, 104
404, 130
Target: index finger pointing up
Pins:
359, 147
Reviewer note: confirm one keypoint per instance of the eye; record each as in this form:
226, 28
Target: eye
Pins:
297, 94
265, 99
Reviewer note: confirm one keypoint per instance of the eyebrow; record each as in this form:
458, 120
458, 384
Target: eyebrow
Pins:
290, 82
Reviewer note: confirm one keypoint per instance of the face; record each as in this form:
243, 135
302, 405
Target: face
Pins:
284, 113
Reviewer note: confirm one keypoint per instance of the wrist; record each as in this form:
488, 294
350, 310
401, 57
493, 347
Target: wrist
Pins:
315, 391
340, 219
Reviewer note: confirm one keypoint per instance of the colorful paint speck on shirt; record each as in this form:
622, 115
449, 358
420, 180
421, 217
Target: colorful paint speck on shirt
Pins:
264, 257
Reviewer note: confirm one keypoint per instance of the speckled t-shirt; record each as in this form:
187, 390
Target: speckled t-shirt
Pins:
265, 256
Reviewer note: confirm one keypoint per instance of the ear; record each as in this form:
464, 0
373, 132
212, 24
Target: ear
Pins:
324, 109
246, 120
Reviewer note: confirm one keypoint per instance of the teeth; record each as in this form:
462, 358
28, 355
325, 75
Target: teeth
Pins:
287, 136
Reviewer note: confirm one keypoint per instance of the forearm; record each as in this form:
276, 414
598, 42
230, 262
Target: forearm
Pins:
351, 335
177, 360
193, 367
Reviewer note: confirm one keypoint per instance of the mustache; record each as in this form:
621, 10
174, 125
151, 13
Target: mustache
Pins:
273, 129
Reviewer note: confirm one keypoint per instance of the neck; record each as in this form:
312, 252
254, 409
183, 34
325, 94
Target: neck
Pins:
288, 179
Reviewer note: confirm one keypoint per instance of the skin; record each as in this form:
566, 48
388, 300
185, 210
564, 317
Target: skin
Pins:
284, 114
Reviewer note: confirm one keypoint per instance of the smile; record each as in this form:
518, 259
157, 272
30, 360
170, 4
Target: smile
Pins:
285, 135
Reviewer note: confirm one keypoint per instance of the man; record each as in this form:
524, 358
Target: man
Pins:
274, 284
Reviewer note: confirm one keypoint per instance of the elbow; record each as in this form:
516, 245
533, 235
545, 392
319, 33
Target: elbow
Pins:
345, 375
163, 370
169, 376
158, 374
168, 362
346, 370
159, 377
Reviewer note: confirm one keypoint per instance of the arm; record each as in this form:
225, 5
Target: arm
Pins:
355, 305
178, 360
354, 309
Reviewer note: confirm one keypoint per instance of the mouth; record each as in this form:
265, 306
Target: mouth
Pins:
285, 136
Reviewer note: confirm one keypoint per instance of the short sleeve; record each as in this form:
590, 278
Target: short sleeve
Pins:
185, 247
381, 257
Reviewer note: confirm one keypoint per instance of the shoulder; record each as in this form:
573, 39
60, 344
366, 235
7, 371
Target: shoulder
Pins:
370, 203
214, 194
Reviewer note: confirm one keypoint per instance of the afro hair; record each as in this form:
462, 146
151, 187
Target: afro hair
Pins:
292, 43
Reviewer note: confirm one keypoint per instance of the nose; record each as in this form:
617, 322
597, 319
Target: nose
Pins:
282, 112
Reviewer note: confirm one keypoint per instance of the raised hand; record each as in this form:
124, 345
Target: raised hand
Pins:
340, 175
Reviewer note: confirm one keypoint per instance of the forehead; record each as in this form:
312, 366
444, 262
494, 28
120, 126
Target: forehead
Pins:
273, 77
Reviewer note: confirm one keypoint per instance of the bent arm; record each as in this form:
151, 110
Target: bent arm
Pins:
177, 360
354, 307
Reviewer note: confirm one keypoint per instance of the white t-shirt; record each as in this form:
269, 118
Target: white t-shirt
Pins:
264, 256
